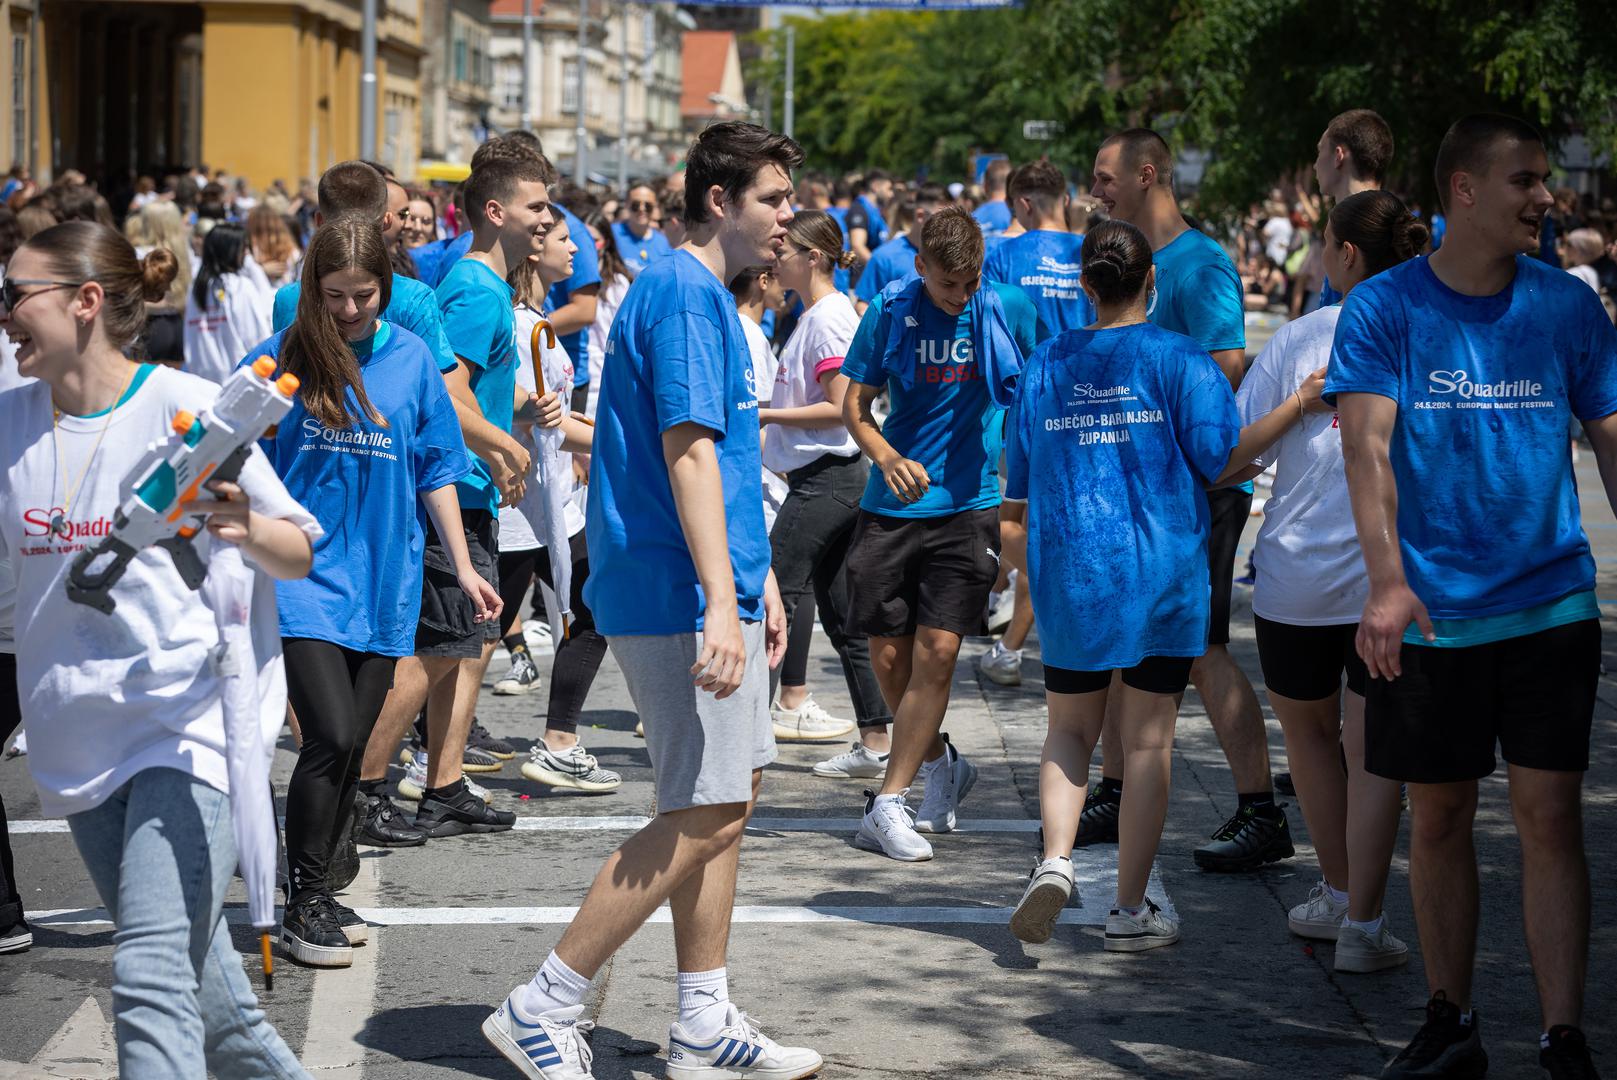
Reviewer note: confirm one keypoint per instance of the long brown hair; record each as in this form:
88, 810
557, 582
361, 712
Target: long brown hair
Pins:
313, 348
271, 238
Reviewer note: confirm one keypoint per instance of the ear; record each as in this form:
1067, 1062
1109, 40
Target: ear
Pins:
920, 265
1339, 156
1350, 254
1462, 189
715, 202
88, 302
494, 212
1148, 175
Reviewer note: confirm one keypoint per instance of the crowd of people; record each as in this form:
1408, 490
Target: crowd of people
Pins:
687, 424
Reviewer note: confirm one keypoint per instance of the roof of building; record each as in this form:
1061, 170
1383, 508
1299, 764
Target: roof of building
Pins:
711, 61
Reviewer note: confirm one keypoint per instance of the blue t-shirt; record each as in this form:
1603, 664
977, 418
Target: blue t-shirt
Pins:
1113, 436
433, 260
480, 322
1487, 388
994, 217
677, 354
411, 306
638, 253
945, 419
1328, 295
1044, 264
893, 261
361, 483
842, 278
586, 272
875, 223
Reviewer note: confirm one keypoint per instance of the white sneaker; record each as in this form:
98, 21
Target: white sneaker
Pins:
414, 784
1319, 917
808, 723
1150, 929
1362, 953
574, 768
948, 782
553, 1048
738, 1052
1002, 605
1048, 891
19, 745
859, 762
1001, 665
889, 827
536, 632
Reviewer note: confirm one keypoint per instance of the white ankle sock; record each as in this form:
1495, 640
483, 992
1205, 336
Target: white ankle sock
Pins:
555, 986
1372, 927
704, 1002
1336, 897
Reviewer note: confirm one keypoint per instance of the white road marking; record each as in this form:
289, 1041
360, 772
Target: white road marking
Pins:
84, 1048
343, 997
630, 824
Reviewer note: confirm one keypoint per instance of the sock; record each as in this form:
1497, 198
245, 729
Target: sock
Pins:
554, 986
1372, 927
1336, 897
1110, 790
1262, 801
1131, 912
446, 793
514, 644
704, 1002
373, 788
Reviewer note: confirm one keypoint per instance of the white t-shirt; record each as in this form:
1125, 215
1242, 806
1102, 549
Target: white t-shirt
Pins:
1277, 233
1587, 275
236, 319
515, 532
762, 379
607, 302
817, 345
1310, 570
107, 696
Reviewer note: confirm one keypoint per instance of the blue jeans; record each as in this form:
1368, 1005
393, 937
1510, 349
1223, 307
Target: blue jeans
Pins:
161, 852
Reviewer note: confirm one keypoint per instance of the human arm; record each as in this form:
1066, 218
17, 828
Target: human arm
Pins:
279, 546
1367, 424
693, 475
821, 413
579, 311
906, 479
506, 458
774, 622
443, 508
1232, 362
1258, 436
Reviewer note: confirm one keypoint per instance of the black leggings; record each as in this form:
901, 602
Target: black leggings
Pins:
793, 670
10, 717
580, 652
337, 694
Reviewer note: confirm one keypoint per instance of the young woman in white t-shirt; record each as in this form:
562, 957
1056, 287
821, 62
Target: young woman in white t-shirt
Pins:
614, 287
124, 709
1310, 591
557, 759
227, 310
825, 475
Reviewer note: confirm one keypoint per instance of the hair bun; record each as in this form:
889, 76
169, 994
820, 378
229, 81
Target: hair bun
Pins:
157, 271
846, 260
1105, 268
1417, 234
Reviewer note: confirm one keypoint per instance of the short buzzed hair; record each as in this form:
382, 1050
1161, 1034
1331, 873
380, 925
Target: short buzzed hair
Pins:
995, 175
496, 181
352, 187
953, 241
514, 147
1367, 139
1040, 182
1141, 147
930, 194
1470, 144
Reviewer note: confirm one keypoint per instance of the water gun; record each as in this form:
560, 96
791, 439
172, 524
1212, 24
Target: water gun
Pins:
213, 446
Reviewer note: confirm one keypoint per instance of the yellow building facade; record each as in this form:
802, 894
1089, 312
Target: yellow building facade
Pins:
264, 91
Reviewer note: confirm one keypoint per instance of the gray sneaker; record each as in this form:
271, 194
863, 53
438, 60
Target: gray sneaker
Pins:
1362, 953
574, 768
859, 762
1049, 889
1150, 929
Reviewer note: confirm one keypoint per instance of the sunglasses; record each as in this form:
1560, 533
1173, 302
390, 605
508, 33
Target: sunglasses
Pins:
642, 207
12, 296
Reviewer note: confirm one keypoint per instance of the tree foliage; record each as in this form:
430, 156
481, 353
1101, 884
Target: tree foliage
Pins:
1250, 82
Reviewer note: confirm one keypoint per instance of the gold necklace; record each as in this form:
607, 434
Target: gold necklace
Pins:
58, 525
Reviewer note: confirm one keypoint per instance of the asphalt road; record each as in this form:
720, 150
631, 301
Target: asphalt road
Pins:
890, 970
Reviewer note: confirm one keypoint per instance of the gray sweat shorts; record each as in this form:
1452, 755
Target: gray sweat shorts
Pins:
703, 751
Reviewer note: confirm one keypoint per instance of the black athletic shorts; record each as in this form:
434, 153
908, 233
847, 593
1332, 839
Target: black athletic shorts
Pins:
1154, 675
1532, 696
1229, 508
448, 625
909, 572
1305, 663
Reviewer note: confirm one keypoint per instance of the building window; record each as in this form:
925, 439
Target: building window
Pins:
19, 98
391, 127
510, 83
569, 86
460, 57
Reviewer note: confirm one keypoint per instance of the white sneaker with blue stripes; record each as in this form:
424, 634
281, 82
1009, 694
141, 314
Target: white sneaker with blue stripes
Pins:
551, 1048
738, 1052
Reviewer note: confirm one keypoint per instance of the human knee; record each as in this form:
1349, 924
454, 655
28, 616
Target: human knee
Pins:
1441, 817
715, 829
1550, 822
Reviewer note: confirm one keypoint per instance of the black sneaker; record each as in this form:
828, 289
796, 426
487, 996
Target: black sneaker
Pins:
476, 759
1443, 1047
1567, 1056
385, 825
1247, 841
354, 928
312, 935
1098, 822
480, 739
15, 933
465, 813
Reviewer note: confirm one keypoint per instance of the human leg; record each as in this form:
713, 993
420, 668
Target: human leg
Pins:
1147, 721
578, 658
320, 687
1374, 805
1548, 808
14, 932
413, 677
1313, 733
1075, 715
1443, 884
918, 717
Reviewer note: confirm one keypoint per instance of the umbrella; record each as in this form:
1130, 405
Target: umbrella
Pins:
547, 514
228, 591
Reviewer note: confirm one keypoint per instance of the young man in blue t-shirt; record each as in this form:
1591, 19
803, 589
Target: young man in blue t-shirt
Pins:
895, 260
639, 242
1354, 153
997, 210
681, 587
867, 222
1042, 261
1198, 294
925, 549
1456, 378
508, 204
